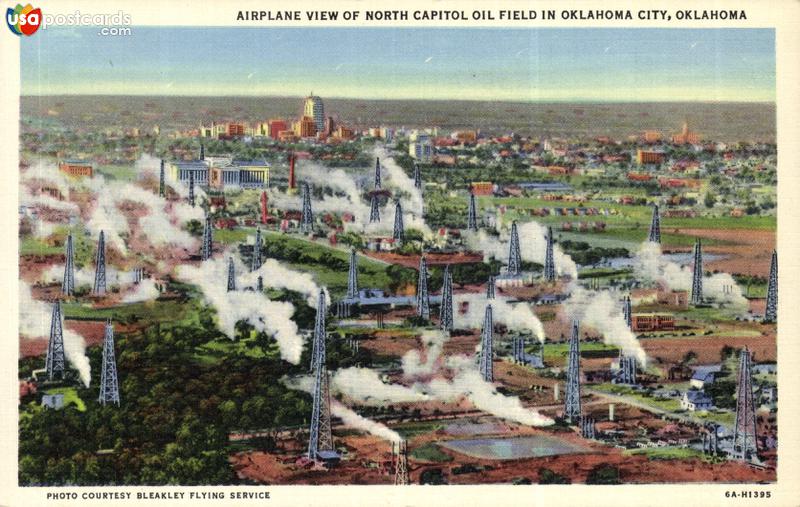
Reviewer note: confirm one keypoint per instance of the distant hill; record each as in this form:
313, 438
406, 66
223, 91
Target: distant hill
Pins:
719, 121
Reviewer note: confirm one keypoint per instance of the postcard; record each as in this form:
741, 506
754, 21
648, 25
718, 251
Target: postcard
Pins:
271, 252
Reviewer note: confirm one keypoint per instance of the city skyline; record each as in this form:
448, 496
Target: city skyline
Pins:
528, 65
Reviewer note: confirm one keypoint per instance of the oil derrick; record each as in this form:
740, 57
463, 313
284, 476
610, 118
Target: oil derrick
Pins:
260, 284
374, 210
627, 311
711, 439
231, 275
417, 177
490, 288
487, 344
588, 428
518, 348
256, 252
100, 266
446, 308
319, 329
138, 275
208, 238
191, 188
377, 173
514, 257
472, 214
55, 364
655, 227
697, 274
109, 385
401, 464
308, 217
399, 232
627, 370
202, 151
572, 398
423, 301
352, 275
549, 263
320, 438
68, 285
264, 201
162, 190
771, 313
744, 431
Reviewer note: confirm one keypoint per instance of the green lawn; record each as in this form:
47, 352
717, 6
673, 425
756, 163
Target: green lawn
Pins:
666, 453
557, 352
70, 397
430, 452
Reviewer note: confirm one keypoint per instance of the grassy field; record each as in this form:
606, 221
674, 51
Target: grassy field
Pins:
557, 352
670, 404
665, 453
70, 397
430, 452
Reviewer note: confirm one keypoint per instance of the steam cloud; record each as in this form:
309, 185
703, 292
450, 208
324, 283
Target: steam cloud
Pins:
650, 265
533, 247
34, 322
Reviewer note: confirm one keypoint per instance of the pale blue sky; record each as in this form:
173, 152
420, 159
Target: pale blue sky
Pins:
372, 63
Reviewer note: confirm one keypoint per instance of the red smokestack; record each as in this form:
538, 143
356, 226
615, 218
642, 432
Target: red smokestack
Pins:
264, 207
292, 184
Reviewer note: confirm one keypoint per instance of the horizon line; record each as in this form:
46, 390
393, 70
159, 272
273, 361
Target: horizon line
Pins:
404, 99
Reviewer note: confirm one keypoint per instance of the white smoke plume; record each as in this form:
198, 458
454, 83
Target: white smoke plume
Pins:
349, 417
413, 364
602, 310
27, 198
34, 322
469, 384
364, 386
354, 420
397, 177
650, 265
265, 315
84, 276
278, 276
143, 291
533, 247
518, 316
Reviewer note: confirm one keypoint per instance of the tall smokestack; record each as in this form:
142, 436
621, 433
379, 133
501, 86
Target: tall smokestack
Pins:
264, 203
292, 181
